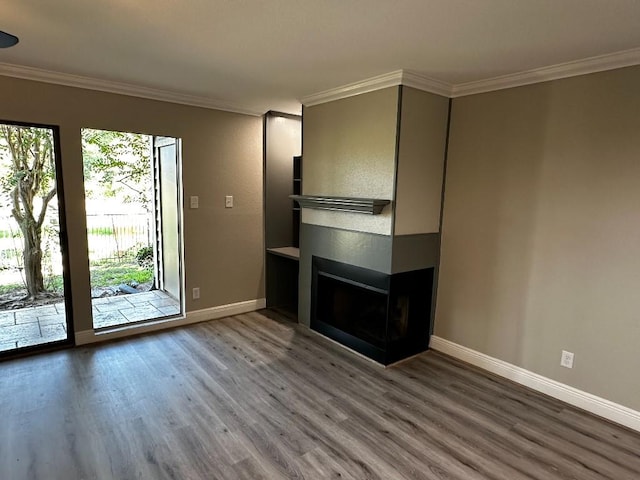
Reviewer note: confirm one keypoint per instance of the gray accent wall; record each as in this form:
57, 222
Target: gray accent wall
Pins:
361, 249
417, 252
414, 252
381, 253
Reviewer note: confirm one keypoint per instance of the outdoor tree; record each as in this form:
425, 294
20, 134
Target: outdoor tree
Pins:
119, 164
28, 187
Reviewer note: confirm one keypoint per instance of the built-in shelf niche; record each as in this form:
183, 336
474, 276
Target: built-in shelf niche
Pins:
282, 177
297, 190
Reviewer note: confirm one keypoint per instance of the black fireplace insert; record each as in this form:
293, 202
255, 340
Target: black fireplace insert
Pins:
384, 317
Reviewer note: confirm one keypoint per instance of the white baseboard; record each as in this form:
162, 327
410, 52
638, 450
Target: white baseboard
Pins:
226, 310
90, 336
587, 401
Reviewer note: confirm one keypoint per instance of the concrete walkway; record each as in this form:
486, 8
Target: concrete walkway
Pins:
38, 325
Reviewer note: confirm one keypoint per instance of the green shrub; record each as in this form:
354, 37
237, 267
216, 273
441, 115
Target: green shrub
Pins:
54, 283
144, 257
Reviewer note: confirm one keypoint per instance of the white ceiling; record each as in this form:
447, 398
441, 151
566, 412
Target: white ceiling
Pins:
267, 54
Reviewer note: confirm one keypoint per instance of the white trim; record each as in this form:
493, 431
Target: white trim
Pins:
352, 89
584, 66
416, 80
426, 84
90, 336
391, 79
227, 310
409, 78
69, 80
587, 401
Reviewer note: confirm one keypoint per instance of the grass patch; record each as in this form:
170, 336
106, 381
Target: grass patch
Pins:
105, 275
52, 284
10, 288
104, 231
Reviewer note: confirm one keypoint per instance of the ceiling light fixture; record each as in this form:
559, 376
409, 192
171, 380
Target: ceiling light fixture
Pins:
7, 40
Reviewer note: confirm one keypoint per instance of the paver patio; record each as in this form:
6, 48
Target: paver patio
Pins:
38, 325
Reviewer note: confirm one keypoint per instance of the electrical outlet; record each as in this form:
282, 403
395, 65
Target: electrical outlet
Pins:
566, 360
194, 201
228, 201
196, 293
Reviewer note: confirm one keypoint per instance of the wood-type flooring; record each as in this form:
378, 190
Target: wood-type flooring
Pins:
251, 397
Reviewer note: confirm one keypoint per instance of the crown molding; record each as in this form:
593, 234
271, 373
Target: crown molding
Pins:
600, 63
69, 80
625, 58
427, 84
391, 79
352, 89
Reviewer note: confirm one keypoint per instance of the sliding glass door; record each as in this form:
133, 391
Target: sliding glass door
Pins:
33, 284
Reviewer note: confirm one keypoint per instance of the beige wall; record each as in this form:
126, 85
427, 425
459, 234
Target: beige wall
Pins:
423, 137
349, 151
222, 155
541, 233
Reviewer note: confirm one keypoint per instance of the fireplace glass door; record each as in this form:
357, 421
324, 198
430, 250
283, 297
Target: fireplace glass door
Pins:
385, 317
357, 309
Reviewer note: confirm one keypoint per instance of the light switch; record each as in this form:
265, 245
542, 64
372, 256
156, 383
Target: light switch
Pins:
228, 201
194, 201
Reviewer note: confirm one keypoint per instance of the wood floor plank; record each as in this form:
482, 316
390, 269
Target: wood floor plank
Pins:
602, 431
322, 466
257, 397
494, 434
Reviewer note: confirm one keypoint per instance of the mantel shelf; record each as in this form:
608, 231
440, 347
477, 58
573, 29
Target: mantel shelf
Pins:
371, 206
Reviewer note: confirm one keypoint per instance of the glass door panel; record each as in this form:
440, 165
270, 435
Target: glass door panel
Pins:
33, 310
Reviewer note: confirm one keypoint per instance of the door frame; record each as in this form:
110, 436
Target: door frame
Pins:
64, 248
157, 142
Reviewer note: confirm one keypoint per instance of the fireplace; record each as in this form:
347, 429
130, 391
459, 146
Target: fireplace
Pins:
384, 317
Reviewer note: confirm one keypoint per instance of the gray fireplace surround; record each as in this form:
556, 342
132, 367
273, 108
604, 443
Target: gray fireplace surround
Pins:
382, 253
